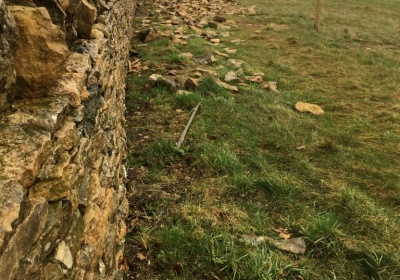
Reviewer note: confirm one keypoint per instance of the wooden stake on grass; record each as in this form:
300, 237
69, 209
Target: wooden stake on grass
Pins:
318, 12
179, 144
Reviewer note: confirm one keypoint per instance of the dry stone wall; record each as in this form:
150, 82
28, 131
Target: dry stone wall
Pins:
62, 139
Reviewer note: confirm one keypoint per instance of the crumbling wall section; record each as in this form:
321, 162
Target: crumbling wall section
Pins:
62, 139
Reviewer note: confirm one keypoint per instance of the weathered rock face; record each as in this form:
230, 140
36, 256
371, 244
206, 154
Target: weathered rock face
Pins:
85, 17
62, 146
40, 54
8, 43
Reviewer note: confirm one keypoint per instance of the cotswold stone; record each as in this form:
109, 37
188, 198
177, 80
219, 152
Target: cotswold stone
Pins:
153, 79
26, 234
63, 255
56, 11
8, 43
22, 153
57, 178
67, 136
226, 86
20, 160
191, 83
78, 63
85, 19
40, 54
70, 85
11, 195
52, 271
50, 113
234, 63
230, 76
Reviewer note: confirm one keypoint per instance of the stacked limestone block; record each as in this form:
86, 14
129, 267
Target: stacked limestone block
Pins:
8, 43
62, 139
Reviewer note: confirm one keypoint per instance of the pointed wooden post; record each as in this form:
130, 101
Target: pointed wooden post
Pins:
179, 144
318, 12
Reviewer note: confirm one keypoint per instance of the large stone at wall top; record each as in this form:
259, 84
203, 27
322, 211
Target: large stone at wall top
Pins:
41, 52
8, 43
85, 19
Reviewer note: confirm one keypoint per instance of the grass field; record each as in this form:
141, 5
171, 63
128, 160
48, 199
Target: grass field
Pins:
241, 172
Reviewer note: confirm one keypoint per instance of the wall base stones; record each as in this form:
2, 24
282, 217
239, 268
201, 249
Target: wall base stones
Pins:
62, 139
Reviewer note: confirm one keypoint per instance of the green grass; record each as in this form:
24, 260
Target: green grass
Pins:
239, 172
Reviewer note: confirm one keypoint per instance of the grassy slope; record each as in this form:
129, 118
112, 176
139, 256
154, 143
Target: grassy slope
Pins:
239, 172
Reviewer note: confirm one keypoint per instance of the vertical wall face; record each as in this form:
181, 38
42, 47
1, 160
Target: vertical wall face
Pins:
62, 140
8, 43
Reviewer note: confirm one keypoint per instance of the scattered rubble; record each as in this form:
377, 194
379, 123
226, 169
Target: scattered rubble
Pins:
206, 58
191, 83
153, 79
230, 51
226, 86
188, 55
271, 86
254, 79
183, 20
234, 63
310, 108
230, 76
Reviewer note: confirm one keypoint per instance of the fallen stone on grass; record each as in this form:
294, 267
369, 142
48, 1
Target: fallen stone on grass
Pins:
215, 41
293, 245
221, 54
254, 79
180, 42
252, 11
168, 83
206, 58
239, 72
195, 29
207, 71
310, 108
153, 79
234, 63
225, 34
188, 55
183, 92
148, 35
191, 83
238, 41
226, 86
209, 34
196, 74
270, 86
230, 51
230, 76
